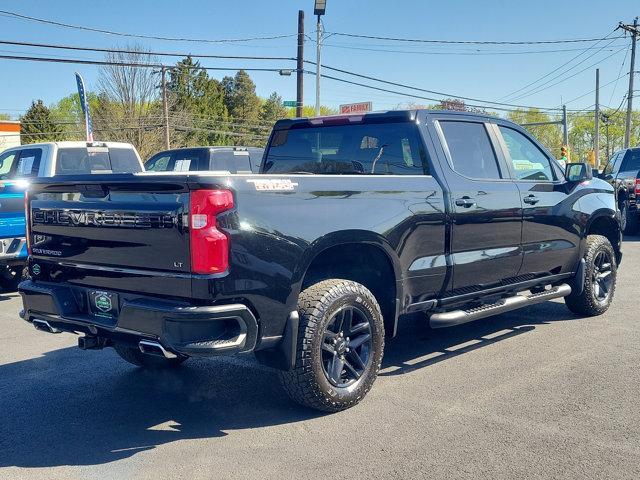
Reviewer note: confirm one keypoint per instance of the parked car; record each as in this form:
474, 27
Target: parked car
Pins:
229, 159
623, 172
19, 165
357, 222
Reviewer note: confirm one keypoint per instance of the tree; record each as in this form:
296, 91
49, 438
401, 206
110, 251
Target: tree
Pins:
5, 116
196, 104
272, 109
129, 108
310, 111
37, 125
240, 97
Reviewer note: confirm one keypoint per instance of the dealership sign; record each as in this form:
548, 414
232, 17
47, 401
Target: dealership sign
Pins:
356, 107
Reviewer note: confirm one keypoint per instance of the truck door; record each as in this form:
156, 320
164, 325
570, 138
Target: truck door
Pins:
486, 208
549, 240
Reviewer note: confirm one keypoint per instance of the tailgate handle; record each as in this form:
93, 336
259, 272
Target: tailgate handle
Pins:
95, 191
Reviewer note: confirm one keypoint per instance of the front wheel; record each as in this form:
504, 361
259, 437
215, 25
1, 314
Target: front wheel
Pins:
339, 348
628, 219
599, 279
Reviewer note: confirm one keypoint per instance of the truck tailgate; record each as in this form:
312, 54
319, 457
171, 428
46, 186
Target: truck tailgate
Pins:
125, 228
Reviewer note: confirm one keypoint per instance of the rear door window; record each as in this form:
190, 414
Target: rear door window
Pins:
79, 161
159, 163
470, 149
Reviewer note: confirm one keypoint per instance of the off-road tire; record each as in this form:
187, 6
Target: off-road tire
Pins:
144, 360
585, 302
629, 219
307, 384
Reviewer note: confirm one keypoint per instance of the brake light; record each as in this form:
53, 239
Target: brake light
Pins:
637, 189
209, 246
27, 221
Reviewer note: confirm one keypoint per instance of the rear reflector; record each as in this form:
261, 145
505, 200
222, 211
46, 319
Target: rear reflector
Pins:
27, 217
209, 246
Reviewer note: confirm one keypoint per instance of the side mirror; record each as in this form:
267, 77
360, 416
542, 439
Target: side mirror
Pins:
578, 172
595, 173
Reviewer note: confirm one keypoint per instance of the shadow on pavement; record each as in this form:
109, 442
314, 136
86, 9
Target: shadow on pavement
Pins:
70, 407
418, 346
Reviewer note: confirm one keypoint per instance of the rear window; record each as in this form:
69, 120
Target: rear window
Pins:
371, 149
78, 161
234, 161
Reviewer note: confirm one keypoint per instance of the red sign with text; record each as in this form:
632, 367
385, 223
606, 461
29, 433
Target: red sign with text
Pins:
355, 107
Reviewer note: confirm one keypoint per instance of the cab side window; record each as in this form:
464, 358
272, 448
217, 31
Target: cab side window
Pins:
529, 162
470, 149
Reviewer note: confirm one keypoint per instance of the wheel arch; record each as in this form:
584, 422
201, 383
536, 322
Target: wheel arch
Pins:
362, 256
606, 223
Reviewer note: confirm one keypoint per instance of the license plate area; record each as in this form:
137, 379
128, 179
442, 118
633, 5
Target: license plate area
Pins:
103, 304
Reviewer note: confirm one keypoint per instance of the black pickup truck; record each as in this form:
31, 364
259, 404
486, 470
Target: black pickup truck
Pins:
353, 223
622, 171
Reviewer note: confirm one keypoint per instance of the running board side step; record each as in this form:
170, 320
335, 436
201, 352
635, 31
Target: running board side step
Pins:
458, 317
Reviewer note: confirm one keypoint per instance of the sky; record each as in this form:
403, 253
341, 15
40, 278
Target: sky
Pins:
459, 70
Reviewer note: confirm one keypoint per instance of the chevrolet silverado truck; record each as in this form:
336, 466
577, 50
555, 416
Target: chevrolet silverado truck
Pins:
353, 223
622, 171
19, 165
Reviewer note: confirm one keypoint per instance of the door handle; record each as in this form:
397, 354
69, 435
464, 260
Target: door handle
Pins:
465, 202
531, 199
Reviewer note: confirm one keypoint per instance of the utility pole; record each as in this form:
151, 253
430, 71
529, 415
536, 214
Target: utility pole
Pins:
633, 29
300, 65
318, 48
565, 129
596, 122
165, 108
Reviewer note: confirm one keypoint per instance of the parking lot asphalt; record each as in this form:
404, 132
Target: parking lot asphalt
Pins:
535, 393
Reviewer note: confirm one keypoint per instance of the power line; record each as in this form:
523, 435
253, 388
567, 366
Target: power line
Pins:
126, 51
470, 52
135, 35
543, 87
368, 77
552, 71
624, 60
131, 64
592, 91
396, 92
468, 42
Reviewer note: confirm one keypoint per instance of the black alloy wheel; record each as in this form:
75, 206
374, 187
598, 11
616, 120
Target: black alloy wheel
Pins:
346, 346
602, 276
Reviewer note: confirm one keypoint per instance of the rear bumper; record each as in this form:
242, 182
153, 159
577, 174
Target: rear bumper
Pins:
180, 328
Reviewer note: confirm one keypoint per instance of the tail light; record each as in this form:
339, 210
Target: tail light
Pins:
637, 189
209, 246
27, 217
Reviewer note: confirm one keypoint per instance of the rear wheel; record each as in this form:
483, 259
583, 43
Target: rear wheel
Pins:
136, 357
340, 346
599, 280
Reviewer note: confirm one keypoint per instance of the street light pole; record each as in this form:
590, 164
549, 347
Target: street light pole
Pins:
318, 50
319, 10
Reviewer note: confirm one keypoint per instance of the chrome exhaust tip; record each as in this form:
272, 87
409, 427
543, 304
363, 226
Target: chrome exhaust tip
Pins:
154, 348
44, 326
